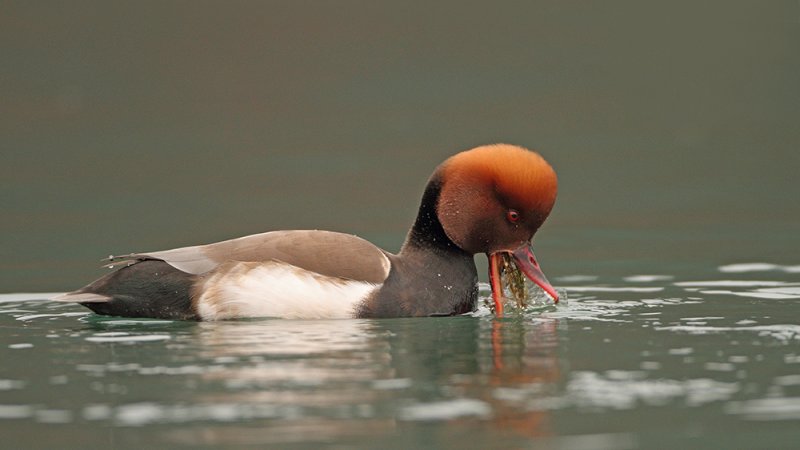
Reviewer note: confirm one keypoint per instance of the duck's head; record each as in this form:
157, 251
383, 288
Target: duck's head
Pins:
492, 200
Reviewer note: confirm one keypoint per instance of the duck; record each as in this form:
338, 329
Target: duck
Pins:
490, 199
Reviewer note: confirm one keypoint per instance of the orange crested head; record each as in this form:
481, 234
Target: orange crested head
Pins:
519, 175
494, 197
492, 200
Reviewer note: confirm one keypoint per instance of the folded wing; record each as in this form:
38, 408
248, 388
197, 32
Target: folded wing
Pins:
324, 252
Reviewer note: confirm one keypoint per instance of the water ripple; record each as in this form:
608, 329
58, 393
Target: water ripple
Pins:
758, 267
446, 410
782, 332
787, 408
127, 337
626, 389
638, 344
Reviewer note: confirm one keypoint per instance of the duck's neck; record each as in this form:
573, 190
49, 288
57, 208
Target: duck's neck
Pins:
430, 275
427, 236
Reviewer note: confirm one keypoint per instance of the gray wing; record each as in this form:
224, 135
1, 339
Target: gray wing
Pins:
325, 252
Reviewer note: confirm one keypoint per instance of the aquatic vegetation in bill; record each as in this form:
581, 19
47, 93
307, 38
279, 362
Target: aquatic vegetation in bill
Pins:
517, 288
512, 280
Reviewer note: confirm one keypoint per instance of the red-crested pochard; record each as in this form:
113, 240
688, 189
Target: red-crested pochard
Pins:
490, 199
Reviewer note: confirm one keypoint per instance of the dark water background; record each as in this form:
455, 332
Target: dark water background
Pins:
674, 128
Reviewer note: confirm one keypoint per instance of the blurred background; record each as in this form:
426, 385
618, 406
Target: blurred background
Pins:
134, 126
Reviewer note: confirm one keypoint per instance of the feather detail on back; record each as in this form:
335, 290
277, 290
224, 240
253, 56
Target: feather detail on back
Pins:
115, 262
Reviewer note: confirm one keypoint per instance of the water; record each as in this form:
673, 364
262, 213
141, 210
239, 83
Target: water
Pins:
672, 127
638, 361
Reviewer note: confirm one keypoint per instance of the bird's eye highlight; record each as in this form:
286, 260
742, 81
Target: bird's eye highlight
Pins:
512, 215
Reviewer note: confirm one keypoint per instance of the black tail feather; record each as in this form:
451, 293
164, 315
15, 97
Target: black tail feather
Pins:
149, 288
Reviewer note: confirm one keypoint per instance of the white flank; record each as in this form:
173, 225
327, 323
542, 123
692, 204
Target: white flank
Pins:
276, 289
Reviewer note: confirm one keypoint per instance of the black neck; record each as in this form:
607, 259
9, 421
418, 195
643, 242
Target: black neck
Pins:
427, 233
431, 275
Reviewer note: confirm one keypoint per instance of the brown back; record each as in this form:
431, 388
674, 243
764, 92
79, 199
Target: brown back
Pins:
325, 252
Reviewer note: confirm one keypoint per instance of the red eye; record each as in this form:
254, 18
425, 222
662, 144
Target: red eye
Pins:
512, 215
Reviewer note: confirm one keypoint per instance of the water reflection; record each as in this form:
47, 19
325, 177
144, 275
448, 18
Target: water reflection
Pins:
636, 346
525, 369
305, 378
287, 353
319, 375
275, 337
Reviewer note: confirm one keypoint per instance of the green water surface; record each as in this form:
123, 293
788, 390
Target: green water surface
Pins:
673, 127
